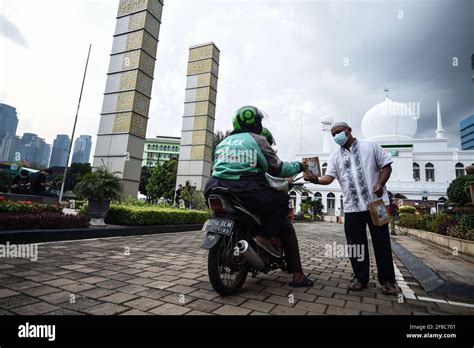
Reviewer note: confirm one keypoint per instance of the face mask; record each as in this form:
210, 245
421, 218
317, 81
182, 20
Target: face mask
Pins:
341, 138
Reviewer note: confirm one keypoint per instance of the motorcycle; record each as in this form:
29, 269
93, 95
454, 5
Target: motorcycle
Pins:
233, 253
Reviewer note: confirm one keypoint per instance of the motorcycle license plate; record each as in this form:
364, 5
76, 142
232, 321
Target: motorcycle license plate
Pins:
220, 226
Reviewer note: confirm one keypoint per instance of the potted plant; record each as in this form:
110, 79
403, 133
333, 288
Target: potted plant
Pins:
99, 188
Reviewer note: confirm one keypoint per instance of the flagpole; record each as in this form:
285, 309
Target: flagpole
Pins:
74, 127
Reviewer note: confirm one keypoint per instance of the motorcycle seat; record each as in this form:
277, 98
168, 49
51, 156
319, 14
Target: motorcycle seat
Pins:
238, 204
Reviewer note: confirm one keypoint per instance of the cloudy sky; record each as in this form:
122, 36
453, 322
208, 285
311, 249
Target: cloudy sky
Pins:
297, 60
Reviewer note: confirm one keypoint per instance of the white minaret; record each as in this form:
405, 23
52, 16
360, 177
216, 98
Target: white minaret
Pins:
440, 130
327, 123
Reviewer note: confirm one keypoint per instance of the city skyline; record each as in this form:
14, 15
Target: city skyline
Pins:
301, 65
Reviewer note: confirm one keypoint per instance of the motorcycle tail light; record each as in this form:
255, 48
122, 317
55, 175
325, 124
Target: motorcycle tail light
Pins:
220, 205
216, 204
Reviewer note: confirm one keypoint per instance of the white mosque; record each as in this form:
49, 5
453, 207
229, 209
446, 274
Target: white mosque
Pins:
422, 168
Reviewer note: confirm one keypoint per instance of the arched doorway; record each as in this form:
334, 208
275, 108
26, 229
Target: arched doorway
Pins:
331, 204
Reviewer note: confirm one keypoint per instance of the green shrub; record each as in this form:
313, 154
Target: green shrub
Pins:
153, 215
407, 209
458, 191
441, 223
466, 223
408, 220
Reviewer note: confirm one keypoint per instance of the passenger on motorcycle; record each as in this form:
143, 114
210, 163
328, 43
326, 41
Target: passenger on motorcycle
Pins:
240, 163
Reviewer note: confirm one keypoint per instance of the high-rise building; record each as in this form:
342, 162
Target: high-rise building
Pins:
467, 133
8, 120
8, 146
60, 151
32, 149
8, 125
82, 149
159, 150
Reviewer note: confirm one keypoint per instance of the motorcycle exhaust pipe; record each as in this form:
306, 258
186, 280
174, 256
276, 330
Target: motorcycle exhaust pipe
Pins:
252, 257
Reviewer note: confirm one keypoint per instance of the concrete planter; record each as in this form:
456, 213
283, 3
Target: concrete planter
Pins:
464, 247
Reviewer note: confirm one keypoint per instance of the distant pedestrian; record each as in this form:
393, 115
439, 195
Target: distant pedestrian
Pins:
39, 184
21, 183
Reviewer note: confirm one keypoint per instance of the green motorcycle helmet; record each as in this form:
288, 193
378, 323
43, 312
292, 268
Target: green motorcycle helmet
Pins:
268, 135
249, 118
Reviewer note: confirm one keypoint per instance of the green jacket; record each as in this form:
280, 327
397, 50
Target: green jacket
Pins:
246, 153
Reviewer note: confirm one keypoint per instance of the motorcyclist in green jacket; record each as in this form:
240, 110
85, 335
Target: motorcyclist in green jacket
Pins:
240, 163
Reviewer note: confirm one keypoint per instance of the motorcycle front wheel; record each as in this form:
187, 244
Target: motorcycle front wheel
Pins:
227, 278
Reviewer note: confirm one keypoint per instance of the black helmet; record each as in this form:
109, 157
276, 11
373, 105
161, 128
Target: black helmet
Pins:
249, 118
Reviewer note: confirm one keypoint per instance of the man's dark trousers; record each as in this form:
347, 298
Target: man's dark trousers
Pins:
355, 227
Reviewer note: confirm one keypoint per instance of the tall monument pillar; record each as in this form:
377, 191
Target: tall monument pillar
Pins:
195, 155
124, 114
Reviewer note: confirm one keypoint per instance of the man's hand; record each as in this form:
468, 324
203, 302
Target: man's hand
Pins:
304, 164
378, 190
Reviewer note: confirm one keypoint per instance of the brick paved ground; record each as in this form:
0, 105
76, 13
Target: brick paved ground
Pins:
163, 271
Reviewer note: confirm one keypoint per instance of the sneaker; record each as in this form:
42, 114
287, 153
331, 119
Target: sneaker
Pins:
268, 246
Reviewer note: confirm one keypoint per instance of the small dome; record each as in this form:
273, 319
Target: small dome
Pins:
327, 119
389, 120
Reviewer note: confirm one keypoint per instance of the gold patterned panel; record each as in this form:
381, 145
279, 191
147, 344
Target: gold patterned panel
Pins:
142, 104
199, 67
202, 93
128, 80
134, 40
122, 123
201, 153
144, 83
201, 108
203, 80
197, 152
199, 137
137, 21
131, 60
124, 101
138, 126
199, 53
147, 63
130, 6
149, 44
200, 122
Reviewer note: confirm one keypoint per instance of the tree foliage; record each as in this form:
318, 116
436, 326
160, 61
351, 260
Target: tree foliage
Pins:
145, 175
162, 181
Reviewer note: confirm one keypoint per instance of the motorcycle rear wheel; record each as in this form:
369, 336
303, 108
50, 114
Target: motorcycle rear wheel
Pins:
225, 281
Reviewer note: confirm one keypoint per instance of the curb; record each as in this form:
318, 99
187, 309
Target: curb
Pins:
43, 236
430, 280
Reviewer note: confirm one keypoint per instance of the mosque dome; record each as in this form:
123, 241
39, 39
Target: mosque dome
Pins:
389, 120
327, 119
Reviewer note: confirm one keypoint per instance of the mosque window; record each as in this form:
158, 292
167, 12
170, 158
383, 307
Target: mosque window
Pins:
318, 195
430, 172
416, 171
331, 201
324, 168
459, 170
